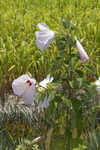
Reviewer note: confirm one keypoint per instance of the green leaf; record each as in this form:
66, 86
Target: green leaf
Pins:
88, 68
79, 72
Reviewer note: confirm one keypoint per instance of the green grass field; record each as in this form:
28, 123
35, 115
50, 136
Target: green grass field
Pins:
18, 20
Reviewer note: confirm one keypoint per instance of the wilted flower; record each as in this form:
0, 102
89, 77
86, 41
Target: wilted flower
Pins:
24, 86
44, 37
83, 55
47, 80
98, 85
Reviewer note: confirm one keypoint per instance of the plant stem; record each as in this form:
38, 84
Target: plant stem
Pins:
48, 139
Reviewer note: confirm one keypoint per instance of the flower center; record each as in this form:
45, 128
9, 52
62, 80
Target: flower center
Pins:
28, 82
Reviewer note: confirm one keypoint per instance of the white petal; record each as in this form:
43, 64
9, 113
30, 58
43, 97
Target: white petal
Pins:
29, 95
83, 55
40, 45
49, 78
43, 44
42, 26
98, 89
19, 84
46, 81
44, 37
98, 85
23, 88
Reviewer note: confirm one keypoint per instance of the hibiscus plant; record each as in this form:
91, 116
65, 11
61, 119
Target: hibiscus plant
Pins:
65, 97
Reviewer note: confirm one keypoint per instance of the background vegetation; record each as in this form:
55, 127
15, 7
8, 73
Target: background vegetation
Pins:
18, 20
19, 54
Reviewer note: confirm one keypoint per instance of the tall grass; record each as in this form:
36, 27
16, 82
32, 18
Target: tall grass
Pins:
18, 20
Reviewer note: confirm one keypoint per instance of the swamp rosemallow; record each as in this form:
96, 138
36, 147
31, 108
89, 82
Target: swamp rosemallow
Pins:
44, 37
24, 86
83, 55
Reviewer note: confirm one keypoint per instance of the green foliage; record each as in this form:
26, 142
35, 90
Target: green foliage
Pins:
93, 137
17, 122
18, 52
81, 147
27, 145
71, 113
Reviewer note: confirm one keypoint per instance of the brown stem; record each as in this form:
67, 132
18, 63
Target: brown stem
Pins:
48, 139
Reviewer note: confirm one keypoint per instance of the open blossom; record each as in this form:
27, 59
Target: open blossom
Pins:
47, 80
98, 85
24, 86
44, 37
83, 55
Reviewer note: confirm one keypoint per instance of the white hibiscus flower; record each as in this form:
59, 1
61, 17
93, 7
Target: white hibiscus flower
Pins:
24, 86
44, 37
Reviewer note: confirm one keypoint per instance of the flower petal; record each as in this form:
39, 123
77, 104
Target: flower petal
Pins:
24, 86
42, 26
47, 80
98, 85
41, 35
83, 55
29, 95
44, 37
19, 84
